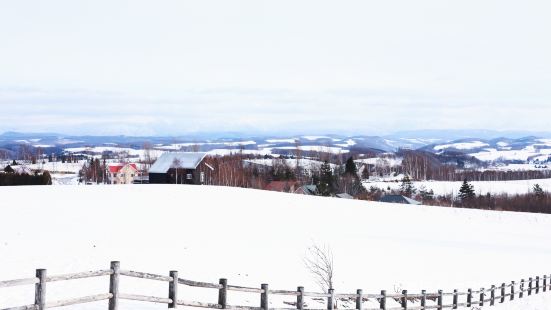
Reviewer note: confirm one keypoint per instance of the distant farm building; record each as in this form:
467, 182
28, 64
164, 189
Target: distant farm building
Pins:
181, 168
399, 199
307, 190
122, 173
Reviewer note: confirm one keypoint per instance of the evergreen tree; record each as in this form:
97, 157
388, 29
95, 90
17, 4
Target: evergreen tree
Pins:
365, 172
426, 195
8, 169
538, 191
406, 188
350, 167
466, 192
46, 178
325, 186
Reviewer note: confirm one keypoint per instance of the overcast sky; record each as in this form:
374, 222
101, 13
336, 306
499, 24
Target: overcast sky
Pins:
175, 67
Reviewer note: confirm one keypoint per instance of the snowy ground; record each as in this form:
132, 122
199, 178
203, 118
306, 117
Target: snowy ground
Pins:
253, 237
482, 187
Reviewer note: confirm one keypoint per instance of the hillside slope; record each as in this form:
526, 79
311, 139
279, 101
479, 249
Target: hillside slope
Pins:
254, 237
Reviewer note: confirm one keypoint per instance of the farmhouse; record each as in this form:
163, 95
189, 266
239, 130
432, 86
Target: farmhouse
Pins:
122, 173
181, 168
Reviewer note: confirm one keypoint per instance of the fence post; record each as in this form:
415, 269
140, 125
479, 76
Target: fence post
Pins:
440, 299
382, 301
454, 299
223, 293
359, 299
404, 299
40, 290
114, 285
300, 298
481, 297
469, 297
521, 289
502, 292
512, 290
330, 299
530, 280
537, 285
492, 295
264, 297
173, 289
423, 299
545, 283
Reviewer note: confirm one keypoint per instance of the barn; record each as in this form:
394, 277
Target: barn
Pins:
181, 168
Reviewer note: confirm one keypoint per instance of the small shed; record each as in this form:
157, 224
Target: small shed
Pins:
399, 199
307, 190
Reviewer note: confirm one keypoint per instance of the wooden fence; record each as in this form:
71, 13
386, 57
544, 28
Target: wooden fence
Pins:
404, 300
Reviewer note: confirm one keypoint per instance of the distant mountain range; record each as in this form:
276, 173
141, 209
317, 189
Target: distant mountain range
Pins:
483, 144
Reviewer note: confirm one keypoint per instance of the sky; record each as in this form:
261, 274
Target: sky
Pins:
360, 67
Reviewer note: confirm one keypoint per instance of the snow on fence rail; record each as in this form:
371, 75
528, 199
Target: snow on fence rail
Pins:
404, 300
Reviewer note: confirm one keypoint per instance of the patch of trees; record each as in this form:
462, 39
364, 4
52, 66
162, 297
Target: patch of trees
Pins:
231, 171
421, 165
94, 171
9, 178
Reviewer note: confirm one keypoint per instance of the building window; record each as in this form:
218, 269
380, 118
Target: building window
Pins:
132, 175
122, 175
188, 176
114, 175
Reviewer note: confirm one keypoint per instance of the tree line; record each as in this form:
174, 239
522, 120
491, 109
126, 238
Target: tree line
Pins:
9, 177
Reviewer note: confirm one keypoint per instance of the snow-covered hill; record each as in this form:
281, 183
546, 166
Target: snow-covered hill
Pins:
527, 149
444, 188
254, 237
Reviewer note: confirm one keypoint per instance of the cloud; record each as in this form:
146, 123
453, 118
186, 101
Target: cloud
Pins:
256, 110
356, 67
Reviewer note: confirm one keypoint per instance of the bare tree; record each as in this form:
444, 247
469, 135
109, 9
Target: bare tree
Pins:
176, 164
298, 172
319, 261
147, 158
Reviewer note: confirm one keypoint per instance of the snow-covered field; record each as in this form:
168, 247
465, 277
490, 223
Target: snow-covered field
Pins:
306, 163
253, 237
98, 150
480, 187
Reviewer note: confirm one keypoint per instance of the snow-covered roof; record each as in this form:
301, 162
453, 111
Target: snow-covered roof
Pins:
399, 199
184, 160
117, 167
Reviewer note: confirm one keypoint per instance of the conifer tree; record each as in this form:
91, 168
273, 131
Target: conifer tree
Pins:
406, 188
538, 191
365, 172
466, 192
325, 185
8, 169
350, 167
426, 195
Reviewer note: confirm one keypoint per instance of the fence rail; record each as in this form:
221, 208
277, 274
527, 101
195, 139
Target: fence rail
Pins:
405, 301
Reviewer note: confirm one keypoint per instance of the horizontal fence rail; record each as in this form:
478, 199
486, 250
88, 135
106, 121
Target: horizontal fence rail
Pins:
404, 300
